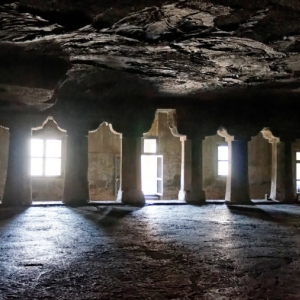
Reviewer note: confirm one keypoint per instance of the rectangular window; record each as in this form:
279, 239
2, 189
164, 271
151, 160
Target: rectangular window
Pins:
298, 171
45, 157
222, 160
149, 145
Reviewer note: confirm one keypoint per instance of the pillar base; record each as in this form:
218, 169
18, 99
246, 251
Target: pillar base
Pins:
290, 201
195, 197
76, 202
182, 195
246, 202
119, 196
133, 198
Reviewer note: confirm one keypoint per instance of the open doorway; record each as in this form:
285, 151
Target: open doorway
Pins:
151, 168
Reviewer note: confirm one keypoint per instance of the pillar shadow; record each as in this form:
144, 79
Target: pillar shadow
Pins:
10, 213
279, 217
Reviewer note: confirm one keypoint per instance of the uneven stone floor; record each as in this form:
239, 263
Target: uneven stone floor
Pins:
156, 252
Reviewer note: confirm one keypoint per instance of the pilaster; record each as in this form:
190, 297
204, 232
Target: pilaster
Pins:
185, 174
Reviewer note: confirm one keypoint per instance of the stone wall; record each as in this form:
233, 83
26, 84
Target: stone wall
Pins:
214, 186
170, 147
104, 147
4, 142
259, 168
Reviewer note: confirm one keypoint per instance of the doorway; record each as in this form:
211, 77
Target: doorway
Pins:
151, 168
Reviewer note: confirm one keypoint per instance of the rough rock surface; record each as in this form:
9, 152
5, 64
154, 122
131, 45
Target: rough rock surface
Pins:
157, 252
182, 47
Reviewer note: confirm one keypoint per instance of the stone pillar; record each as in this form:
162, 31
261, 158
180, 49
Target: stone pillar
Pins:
196, 195
76, 186
131, 172
186, 169
288, 178
17, 190
237, 188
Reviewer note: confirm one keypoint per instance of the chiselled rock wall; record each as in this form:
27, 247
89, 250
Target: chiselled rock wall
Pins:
104, 150
259, 166
4, 141
170, 148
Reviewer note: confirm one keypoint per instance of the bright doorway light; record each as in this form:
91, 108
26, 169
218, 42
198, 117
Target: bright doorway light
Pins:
152, 174
223, 160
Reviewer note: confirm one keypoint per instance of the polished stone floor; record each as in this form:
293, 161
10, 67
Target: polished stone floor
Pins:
156, 252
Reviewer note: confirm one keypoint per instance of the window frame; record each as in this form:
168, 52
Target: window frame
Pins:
217, 160
296, 162
44, 157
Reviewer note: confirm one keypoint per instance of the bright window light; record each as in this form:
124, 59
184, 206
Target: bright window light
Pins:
37, 148
223, 160
45, 157
36, 166
53, 148
150, 146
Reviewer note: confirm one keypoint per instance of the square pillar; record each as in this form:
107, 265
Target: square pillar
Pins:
76, 186
237, 188
196, 194
288, 178
17, 189
130, 186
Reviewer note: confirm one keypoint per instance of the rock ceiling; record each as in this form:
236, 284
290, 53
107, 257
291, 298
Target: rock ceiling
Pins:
48, 48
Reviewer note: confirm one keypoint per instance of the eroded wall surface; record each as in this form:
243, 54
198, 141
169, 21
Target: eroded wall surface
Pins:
259, 166
104, 148
4, 142
170, 147
214, 186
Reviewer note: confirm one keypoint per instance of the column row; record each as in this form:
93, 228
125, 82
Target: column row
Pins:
17, 189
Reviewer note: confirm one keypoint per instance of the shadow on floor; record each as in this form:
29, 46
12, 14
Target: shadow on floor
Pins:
252, 211
11, 212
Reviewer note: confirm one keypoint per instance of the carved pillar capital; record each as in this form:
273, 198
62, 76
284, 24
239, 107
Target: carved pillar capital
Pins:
223, 133
268, 135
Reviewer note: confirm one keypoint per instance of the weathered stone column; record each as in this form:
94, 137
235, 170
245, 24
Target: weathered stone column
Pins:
17, 190
196, 195
76, 186
288, 178
237, 188
131, 192
186, 169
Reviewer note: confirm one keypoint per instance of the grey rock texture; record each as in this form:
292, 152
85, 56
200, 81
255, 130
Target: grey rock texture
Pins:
157, 252
182, 47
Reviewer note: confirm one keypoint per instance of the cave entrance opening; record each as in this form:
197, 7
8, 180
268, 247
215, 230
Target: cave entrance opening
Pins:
151, 168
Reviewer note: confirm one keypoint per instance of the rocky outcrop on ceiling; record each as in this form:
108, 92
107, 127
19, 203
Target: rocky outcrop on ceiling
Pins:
181, 47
